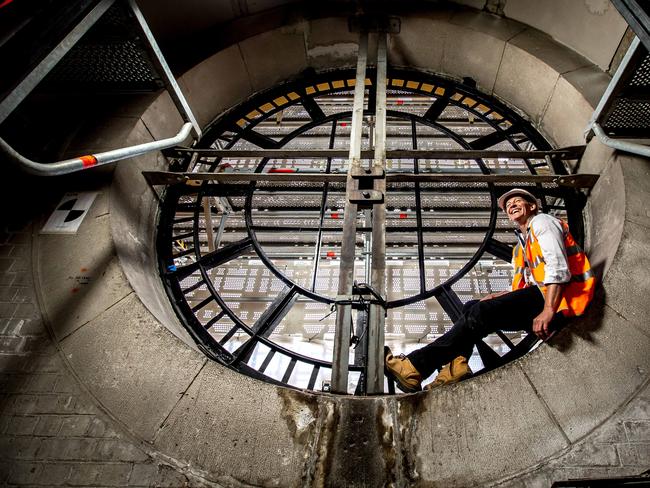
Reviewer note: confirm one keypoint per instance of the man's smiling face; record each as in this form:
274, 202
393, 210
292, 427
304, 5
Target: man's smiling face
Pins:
519, 209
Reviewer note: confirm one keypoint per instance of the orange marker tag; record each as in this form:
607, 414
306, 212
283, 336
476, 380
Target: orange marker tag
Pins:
88, 161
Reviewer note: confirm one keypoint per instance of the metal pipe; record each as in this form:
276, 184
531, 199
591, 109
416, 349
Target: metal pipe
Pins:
630, 147
168, 78
91, 160
41, 70
341, 356
376, 320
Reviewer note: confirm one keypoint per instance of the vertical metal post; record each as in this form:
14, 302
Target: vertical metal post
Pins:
348, 241
323, 209
168, 78
361, 349
222, 227
209, 230
418, 212
375, 367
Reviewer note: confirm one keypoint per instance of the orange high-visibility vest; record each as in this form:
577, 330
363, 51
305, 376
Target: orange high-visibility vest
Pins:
577, 293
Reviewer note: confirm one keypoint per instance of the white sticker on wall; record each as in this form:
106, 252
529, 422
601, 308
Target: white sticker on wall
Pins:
69, 213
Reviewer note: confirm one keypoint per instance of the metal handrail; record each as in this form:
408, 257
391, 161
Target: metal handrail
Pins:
630, 147
91, 160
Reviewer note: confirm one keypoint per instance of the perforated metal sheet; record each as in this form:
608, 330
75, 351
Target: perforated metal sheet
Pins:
109, 57
628, 114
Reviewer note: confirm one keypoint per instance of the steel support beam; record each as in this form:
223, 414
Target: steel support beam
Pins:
573, 152
342, 332
574, 181
375, 358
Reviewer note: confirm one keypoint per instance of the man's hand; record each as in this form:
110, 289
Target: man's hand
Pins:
541, 323
551, 302
493, 295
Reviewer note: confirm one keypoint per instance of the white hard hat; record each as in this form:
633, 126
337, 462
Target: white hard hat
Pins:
520, 192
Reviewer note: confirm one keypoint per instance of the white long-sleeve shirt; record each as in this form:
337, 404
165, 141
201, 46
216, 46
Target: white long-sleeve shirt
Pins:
550, 235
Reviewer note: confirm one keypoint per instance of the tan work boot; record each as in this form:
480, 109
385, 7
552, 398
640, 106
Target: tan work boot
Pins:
401, 369
451, 373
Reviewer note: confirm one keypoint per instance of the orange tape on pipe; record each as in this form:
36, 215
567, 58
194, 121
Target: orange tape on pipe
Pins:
88, 161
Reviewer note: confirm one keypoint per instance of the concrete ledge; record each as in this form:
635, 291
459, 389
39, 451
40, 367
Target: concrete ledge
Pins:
482, 427
228, 424
124, 357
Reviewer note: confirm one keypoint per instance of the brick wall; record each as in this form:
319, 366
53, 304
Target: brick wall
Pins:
51, 432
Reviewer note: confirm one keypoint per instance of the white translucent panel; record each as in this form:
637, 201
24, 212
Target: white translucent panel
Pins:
301, 374
258, 355
277, 367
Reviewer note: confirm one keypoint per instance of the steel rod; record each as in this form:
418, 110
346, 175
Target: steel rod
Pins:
579, 180
573, 152
418, 212
340, 361
323, 209
209, 229
375, 358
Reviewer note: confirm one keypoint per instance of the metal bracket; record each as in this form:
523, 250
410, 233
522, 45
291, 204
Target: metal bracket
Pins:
362, 296
372, 173
366, 197
578, 180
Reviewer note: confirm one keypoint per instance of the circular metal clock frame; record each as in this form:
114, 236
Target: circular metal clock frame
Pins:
238, 126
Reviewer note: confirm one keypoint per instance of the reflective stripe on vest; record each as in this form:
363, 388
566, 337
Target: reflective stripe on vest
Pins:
571, 250
583, 277
578, 292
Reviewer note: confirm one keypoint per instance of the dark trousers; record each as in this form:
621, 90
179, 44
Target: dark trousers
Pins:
511, 312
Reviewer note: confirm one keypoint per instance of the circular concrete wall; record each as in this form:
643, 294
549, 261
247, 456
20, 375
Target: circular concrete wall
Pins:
236, 431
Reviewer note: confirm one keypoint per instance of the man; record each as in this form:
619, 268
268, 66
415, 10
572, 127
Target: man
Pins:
552, 281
